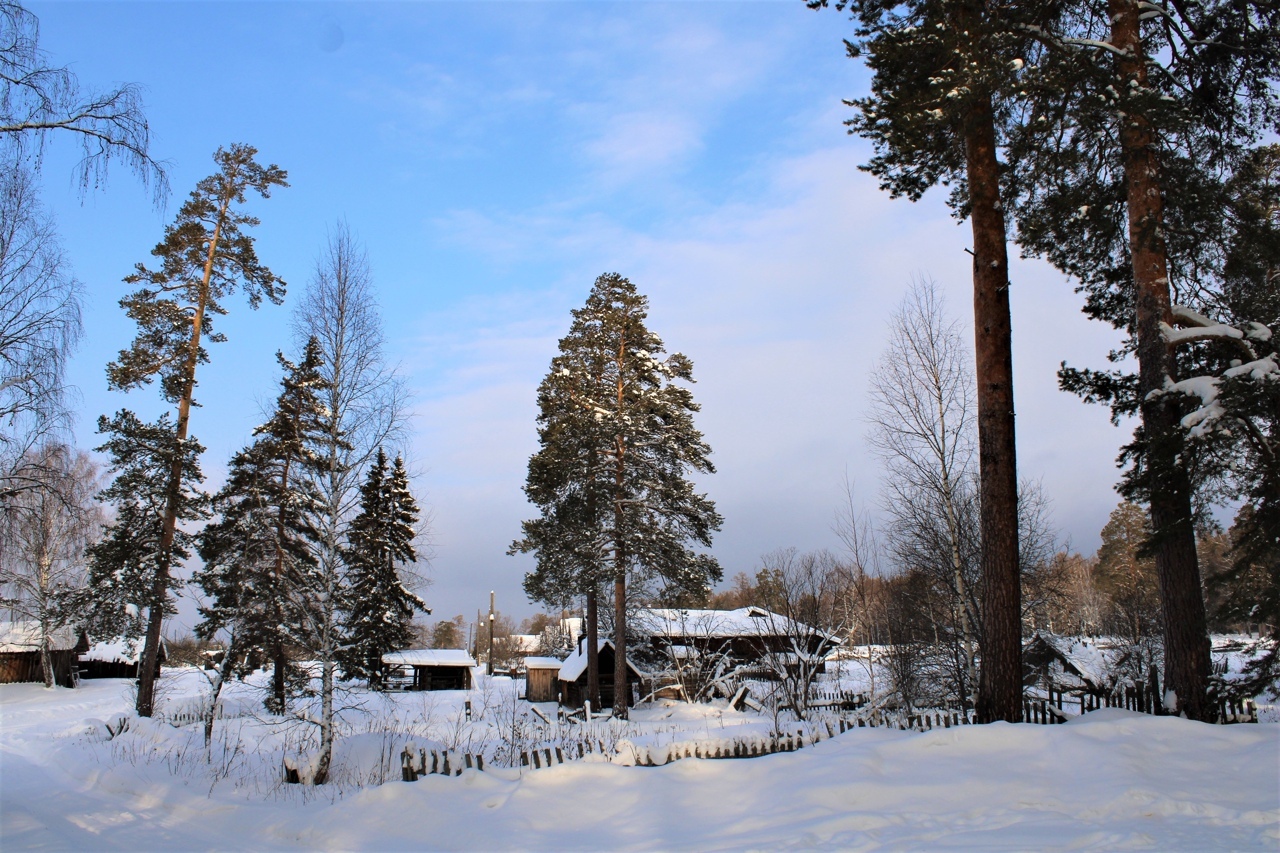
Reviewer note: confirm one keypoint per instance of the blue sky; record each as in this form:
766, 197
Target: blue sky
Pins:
494, 159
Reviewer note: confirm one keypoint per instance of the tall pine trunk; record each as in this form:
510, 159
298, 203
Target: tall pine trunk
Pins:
1186, 638
1000, 680
621, 690
593, 648
160, 583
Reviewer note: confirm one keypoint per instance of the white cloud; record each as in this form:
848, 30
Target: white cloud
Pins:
781, 303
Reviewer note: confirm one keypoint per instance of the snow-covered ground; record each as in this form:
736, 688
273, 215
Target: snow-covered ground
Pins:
1109, 780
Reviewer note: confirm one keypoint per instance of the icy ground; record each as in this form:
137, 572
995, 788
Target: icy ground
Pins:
1111, 780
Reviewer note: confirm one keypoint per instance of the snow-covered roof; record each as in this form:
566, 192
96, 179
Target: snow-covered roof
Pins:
24, 636
576, 664
525, 643
541, 663
574, 626
118, 650
1091, 660
717, 624
429, 657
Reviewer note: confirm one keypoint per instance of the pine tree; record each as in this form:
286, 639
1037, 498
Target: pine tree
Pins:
379, 543
259, 556
617, 440
1135, 117
944, 74
204, 256
123, 564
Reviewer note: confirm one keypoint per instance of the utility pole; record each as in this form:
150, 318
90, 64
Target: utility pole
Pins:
491, 632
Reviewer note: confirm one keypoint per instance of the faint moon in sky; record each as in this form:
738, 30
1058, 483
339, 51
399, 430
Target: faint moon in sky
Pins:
331, 37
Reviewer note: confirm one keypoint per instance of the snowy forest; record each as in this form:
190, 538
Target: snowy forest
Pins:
265, 636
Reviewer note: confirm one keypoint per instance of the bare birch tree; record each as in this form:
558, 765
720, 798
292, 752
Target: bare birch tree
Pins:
39, 327
38, 99
367, 404
802, 595
922, 426
42, 541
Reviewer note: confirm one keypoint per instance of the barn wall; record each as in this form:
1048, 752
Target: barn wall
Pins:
541, 685
25, 667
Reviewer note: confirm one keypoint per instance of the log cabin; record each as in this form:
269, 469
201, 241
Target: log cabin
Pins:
20, 653
572, 678
433, 669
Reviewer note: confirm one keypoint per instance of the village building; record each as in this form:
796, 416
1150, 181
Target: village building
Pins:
542, 675
572, 678
1072, 664
20, 653
117, 658
749, 637
432, 669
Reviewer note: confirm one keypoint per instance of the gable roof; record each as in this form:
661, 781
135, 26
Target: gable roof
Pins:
575, 664
429, 657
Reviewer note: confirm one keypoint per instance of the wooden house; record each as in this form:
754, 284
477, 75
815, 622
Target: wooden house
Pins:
433, 669
1072, 664
747, 636
117, 658
542, 679
572, 678
20, 653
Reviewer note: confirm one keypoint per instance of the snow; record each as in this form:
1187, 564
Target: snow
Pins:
1110, 780
715, 624
24, 636
429, 657
541, 663
576, 664
118, 650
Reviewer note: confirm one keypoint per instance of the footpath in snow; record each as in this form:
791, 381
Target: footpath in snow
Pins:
1111, 780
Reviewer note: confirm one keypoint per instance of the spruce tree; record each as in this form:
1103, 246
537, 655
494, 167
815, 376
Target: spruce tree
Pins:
617, 442
944, 75
123, 564
379, 543
260, 566
204, 257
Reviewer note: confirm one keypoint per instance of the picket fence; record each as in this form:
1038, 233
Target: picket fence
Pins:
423, 762
188, 716
1141, 698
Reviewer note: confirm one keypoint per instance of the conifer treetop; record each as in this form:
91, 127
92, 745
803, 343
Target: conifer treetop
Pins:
165, 304
617, 439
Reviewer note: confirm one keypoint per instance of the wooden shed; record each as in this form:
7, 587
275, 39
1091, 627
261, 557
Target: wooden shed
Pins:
572, 679
1073, 664
434, 669
117, 658
541, 680
20, 653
